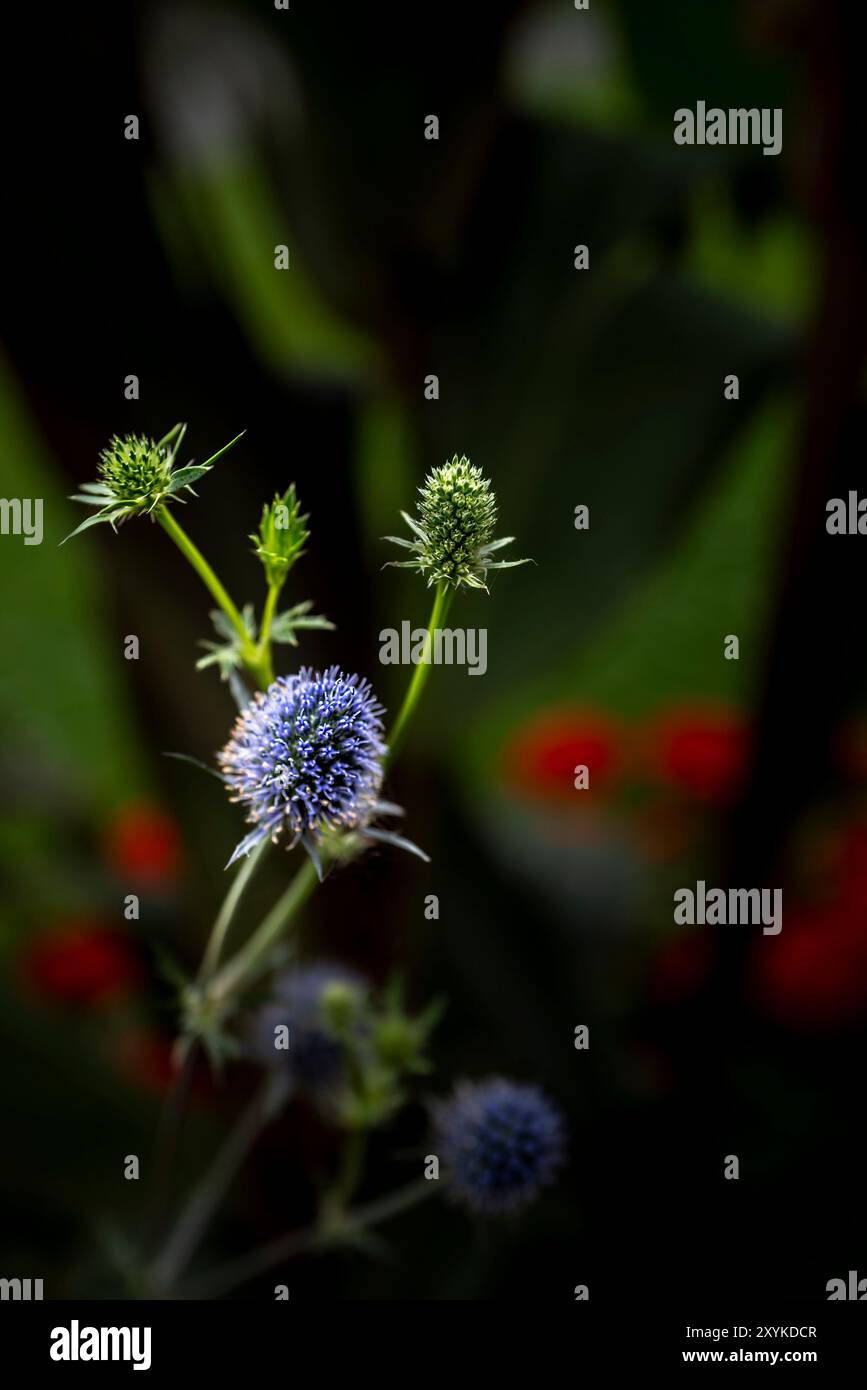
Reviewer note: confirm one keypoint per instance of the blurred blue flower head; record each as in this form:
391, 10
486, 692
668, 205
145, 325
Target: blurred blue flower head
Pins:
305, 757
314, 1056
499, 1143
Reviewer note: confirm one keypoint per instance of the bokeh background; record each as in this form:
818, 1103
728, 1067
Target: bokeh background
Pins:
605, 388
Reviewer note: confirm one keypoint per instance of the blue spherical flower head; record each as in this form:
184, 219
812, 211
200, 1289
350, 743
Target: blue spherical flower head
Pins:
313, 1057
305, 759
499, 1142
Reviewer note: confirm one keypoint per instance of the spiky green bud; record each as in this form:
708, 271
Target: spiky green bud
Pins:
136, 476
281, 537
135, 471
457, 513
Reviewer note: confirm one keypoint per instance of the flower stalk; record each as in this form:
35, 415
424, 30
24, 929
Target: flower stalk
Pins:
191, 552
441, 604
216, 940
231, 1275
242, 967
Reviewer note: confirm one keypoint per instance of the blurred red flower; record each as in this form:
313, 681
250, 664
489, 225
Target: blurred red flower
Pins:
143, 844
80, 964
702, 750
814, 974
541, 757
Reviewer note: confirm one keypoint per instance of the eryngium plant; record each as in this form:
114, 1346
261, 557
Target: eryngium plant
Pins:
307, 760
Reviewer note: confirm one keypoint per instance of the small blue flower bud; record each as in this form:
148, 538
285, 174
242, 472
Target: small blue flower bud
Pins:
499, 1142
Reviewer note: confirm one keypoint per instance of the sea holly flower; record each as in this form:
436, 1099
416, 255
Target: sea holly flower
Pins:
305, 759
499, 1142
137, 476
453, 541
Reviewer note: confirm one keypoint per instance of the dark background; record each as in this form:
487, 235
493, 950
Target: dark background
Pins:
155, 257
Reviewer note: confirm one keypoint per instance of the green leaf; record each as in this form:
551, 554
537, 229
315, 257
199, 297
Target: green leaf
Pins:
185, 476
167, 438
231, 211
97, 489
285, 624
213, 459
75, 728
109, 515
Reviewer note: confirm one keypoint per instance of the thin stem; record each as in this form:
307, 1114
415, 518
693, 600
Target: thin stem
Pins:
342, 1191
168, 1133
211, 957
194, 1218
441, 604
191, 552
267, 619
228, 1276
236, 970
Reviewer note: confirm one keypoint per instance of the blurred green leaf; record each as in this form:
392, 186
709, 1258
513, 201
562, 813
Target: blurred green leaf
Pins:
235, 222
62, 701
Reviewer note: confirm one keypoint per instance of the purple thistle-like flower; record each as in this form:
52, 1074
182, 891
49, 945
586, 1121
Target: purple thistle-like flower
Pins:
305, 757
499, 1142
314, 1057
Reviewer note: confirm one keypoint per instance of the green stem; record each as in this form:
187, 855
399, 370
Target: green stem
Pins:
263, 650
169, 1132
191, 552
243, 963
195, 1217
211, 957
268, 615
228, 1276
441, 604
342, 1191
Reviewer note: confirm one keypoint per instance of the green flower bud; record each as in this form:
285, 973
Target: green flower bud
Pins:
281, 537
136, 471
136, 476
340, 1004
396, 1040
457, 514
